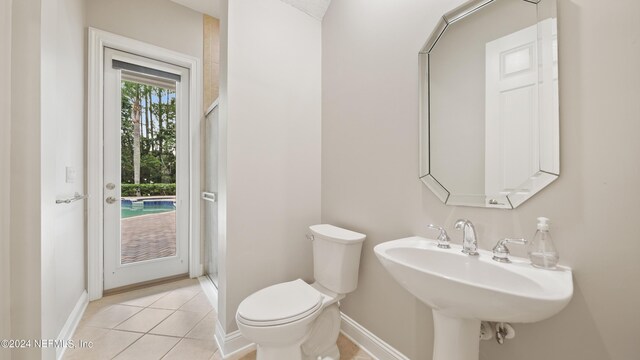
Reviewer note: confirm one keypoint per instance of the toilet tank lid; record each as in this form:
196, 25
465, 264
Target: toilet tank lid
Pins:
337, 234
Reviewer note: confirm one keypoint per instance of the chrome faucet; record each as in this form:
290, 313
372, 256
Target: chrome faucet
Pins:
469, 239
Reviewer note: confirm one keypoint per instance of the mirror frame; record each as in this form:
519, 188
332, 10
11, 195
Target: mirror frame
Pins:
536, 182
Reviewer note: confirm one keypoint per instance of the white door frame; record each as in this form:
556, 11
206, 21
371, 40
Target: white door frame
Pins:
98, 40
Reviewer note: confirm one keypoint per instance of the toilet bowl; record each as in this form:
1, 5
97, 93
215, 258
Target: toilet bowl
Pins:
300, 321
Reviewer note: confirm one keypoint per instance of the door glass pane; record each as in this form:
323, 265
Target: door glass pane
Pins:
148, 171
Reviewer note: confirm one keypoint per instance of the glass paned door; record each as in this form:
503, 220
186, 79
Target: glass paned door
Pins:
145, 169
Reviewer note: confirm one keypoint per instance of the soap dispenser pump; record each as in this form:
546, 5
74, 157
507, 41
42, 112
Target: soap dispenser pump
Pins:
542, 252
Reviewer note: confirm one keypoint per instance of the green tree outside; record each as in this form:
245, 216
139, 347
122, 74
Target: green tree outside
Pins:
148, 138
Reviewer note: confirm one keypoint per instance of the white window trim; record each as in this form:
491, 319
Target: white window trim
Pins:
98, 40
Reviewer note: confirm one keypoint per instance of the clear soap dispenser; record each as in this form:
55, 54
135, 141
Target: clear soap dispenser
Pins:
542, 252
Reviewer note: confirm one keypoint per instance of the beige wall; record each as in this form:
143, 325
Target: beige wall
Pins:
158, 22
62, 145
223, 119
25, 186
5, 179
370, 173
270, 167
47, 134
211, 49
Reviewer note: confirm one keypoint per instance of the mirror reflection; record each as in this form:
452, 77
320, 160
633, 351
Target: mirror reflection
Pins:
490, 103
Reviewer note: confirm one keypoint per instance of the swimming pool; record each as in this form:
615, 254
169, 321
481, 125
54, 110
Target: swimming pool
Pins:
131, 208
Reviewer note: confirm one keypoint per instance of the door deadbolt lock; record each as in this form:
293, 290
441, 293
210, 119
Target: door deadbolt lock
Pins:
111, 186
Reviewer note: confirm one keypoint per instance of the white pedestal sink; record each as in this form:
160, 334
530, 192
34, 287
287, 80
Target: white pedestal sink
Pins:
462, 290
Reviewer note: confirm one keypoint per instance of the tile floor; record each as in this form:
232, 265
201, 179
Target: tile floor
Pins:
168, 321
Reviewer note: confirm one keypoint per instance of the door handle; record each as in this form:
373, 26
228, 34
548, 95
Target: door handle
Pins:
111, 200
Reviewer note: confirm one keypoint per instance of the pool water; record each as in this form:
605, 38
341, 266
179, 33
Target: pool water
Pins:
130, 209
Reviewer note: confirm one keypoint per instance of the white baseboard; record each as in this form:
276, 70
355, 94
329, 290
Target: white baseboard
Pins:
367, 341
71, 324
209, 290
232, 344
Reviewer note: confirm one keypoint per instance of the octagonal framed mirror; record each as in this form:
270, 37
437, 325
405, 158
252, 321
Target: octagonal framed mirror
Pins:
489, 104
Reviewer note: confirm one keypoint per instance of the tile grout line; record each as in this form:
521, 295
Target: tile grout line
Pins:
142, 308
191, 298
161, 321
169, 290
149, 307
168, 351
128, 346
196, 324
176, 310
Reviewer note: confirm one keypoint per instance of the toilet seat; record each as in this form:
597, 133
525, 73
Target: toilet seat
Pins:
280, 304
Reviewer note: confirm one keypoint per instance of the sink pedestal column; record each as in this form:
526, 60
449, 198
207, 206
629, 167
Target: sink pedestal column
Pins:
455, 338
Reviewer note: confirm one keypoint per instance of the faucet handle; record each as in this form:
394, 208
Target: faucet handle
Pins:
501, 251
443, 237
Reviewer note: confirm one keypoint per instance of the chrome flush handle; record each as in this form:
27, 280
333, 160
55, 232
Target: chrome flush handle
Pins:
443, 237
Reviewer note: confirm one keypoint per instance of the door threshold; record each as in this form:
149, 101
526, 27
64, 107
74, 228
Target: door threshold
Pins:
145, 284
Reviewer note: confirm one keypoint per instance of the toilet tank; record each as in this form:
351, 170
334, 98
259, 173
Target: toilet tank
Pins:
336, 257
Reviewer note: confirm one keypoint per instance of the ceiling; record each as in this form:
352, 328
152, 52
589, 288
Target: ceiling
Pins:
209, 7
314, 8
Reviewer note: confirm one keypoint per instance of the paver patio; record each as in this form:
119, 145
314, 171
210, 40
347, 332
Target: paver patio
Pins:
148, 237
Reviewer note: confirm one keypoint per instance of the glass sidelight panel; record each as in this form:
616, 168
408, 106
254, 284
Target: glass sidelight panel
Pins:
210, 219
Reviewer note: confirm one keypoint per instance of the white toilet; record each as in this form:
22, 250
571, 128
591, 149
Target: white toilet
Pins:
295, 320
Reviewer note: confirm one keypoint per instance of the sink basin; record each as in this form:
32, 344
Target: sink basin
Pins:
462, 290
475, 287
